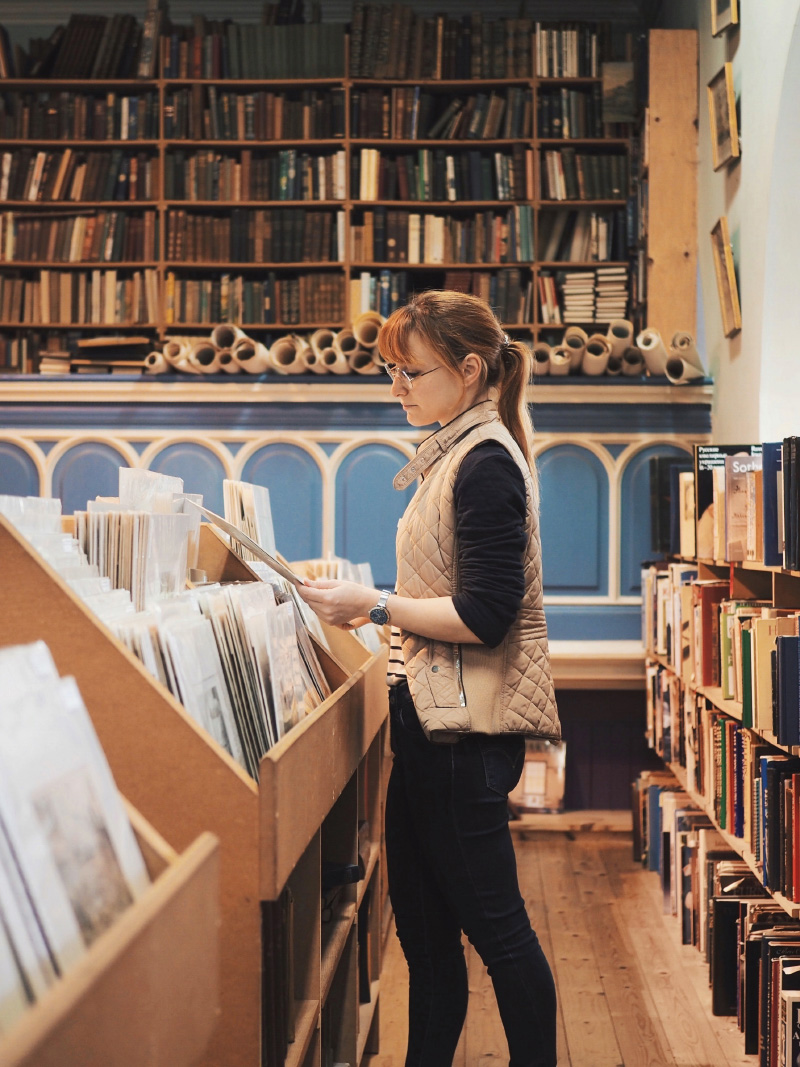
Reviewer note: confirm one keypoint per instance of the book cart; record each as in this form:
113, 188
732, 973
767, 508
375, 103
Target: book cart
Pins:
316, 784
748, 580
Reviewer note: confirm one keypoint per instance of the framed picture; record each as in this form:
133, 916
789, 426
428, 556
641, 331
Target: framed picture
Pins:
726, 278
619, 92
722, 113
724, 13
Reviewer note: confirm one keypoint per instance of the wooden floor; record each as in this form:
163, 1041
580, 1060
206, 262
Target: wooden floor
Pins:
629, 993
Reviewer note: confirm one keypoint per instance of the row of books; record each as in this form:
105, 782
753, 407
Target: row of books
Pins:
395, 235
96, 237
284, 175
392, 41
749, 943
582, 236
741, 777
570, 112
570, 175
81, 297
385, 290
65, 114
728, 502
70, 864
405, 113
87, 47
225, 49
210, 112
287, 235
568, 50
440, 175
386, 41
45, 176
583, 296
747, 648
308, 298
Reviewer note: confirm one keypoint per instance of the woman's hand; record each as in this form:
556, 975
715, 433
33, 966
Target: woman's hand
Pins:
339, 603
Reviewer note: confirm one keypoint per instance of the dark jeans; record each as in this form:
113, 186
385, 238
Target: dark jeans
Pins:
452, 868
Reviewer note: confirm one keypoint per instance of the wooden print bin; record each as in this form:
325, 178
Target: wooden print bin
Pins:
147, 992
177, 776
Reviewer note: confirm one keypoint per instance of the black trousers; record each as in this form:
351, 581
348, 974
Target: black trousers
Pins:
452, 868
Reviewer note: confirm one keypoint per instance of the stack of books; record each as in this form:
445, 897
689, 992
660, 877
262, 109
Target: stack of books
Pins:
611, 293
579, 296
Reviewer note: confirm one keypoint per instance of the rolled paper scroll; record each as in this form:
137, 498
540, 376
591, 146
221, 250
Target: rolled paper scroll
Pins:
652, 348
313, 359
286, 355
335, 361
366, 328
575, 340
345, 343
361, 362
614, 366
541, 359
596, 356
560, 361
684, 349
154, 363
204, 357
227, 364
632, 362
225, 335
176, 350
620, 336
251, 356
319, 340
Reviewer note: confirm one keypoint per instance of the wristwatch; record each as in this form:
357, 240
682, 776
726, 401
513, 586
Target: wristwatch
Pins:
379, 614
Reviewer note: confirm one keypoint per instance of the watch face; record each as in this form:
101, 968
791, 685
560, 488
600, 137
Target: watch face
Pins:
380, 616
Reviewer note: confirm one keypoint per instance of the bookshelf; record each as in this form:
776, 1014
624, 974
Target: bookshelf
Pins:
311, 192
153, 972
316, 786
684, 714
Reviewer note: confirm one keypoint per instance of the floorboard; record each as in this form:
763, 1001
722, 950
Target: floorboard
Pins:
630, 993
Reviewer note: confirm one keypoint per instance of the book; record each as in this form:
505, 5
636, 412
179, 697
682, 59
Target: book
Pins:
707, 458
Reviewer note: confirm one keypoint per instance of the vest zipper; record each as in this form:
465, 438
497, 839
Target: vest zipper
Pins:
457, 660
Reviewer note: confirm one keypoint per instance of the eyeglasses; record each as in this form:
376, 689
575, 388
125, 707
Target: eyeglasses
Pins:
407, 377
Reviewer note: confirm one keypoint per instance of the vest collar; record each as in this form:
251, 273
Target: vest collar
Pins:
439, 443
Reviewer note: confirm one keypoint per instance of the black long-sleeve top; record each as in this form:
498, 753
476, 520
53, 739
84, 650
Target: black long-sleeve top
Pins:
490, 504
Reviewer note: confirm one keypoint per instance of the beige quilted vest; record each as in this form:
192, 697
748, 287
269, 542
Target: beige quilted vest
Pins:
470, 687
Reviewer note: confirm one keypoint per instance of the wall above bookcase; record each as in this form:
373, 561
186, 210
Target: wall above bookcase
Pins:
354, 205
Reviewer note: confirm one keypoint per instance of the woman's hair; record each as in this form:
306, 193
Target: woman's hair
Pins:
455, 325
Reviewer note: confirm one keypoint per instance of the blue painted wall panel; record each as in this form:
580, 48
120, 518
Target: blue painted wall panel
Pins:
201, 470
368, 509
294, 481
86, 470
635, 526
581, 622
574, 521
18, 473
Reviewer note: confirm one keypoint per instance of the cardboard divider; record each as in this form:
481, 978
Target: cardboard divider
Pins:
147, 992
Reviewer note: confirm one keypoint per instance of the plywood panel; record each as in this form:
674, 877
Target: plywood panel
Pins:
672, 237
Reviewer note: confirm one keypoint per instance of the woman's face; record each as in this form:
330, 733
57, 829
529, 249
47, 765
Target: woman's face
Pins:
437, 393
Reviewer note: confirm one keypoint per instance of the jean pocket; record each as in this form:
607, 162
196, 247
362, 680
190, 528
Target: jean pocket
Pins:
503, 758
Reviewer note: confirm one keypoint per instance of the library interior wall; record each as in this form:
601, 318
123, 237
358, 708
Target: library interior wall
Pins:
757, 384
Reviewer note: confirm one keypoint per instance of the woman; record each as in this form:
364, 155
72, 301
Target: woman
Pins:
469, 673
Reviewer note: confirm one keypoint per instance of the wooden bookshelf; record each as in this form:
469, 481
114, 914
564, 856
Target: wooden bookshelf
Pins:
748, 579
671, 56
272, 835
148, 990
